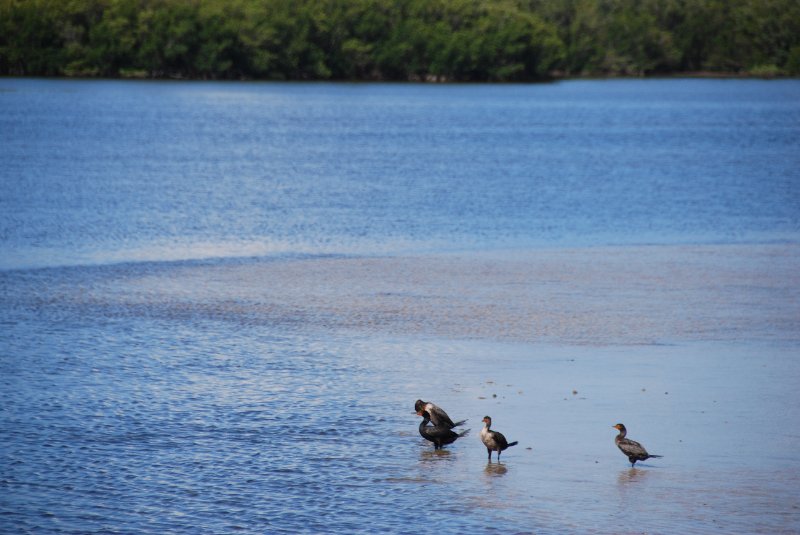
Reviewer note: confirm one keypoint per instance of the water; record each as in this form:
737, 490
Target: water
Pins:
220, 300
99, 172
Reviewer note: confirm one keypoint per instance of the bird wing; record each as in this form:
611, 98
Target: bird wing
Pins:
438, 416
631, 447
499, 439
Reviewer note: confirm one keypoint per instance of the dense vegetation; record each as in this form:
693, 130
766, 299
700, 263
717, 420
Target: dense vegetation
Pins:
397, 39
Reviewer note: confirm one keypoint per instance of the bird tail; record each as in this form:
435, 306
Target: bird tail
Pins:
463, 433
461, 422
655, 455
513, 443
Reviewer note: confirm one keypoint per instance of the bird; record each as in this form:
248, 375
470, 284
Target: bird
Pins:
439, 435
632, 449
494, 440
439, 418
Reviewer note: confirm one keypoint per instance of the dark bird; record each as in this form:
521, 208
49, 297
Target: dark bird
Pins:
632, 449
493, 440
439, 418
439, 435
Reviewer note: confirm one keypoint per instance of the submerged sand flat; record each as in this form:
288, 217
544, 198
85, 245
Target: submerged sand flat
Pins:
247, 386
603, 295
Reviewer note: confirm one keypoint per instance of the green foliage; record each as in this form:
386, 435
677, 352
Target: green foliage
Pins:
458, 40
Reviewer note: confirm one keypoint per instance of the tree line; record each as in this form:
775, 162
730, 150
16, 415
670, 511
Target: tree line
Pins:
441, 40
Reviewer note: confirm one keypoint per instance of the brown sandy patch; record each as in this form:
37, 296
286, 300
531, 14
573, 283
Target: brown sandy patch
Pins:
608, 295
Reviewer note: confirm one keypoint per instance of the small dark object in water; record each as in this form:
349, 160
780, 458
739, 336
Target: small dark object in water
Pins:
493, 440
632, 449
439, 435
438, 417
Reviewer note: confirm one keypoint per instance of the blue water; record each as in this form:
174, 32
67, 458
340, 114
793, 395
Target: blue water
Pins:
99, 172
177, 356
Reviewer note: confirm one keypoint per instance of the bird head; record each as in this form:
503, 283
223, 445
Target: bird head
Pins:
619, 427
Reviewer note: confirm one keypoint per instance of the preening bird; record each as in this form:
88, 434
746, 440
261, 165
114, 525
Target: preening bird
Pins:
632, 449
438, 417
439, 435
493, 440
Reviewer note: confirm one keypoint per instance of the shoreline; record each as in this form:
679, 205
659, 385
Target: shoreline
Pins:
432, 80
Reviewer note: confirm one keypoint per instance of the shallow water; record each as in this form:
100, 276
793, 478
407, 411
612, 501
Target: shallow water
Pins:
219, 302
158, 426
157, 399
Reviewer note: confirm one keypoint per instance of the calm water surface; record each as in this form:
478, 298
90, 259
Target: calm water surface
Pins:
138, 394
97, 172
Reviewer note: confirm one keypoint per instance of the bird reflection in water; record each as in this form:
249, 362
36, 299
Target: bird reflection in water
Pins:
495, 469
435, 456
631, 475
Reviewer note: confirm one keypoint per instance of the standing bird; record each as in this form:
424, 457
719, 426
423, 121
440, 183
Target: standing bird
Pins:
493, 440
632, 449
439, 435
439, 418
